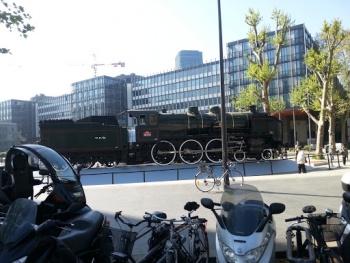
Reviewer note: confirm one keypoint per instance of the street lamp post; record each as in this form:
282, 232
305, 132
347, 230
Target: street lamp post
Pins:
223, 104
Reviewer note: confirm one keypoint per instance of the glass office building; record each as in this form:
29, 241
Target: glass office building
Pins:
23, 113
177, 90
8, 136
100, 96
57, 108
291, 67
200, 85
188, 58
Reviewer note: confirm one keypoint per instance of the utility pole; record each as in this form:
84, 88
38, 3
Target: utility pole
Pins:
223, 103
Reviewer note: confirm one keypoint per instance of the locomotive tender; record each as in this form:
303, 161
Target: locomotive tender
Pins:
163, 137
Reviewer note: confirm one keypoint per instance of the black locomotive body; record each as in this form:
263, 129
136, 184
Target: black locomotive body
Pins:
193, 136
163, 138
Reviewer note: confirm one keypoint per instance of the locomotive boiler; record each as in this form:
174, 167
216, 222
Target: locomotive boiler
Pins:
192, 136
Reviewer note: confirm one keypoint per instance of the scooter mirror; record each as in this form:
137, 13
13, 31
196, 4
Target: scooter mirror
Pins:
277, 208
207, 203
346, 197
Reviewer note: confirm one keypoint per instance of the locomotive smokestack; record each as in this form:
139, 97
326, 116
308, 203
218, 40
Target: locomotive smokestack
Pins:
252, 109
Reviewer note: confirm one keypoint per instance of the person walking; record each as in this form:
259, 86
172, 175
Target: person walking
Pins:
301, 160
296, 149
344, 153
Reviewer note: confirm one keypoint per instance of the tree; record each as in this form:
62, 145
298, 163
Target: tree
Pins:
251, 95
319, 91
259, 68
14, 18
344, 76
247, 97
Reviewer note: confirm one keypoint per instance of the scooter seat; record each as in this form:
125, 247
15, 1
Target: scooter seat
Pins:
85, 227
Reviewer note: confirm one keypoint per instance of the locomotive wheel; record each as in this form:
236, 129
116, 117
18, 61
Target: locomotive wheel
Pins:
267, 154
191, 151
213, 150
239, 156
163, 153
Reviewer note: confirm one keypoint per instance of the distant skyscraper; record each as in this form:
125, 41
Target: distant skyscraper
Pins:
188, 58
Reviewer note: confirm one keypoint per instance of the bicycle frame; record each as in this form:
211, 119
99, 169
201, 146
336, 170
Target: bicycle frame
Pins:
175, 250
154, 249
315, 238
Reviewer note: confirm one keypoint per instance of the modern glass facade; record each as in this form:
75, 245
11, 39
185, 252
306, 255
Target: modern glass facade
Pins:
200, 85
8, 136
23, 113
188, 58
291, 67
100, 96
57, 108
177, 90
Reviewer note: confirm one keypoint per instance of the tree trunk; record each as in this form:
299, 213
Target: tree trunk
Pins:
331, 130
265, 97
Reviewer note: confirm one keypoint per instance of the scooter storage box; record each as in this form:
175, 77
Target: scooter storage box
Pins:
345, 182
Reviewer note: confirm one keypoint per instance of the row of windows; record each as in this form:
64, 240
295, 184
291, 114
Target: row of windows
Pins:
178, 87
203, 105
179, 95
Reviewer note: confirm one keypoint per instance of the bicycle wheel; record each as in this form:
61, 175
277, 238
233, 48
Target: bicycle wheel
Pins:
204, 181
236, 177
199, 246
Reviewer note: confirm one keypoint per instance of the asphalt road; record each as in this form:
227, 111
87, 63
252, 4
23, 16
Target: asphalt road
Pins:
320, 187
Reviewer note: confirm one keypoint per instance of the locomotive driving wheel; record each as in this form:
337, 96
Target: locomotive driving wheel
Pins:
267, 154
191, 151
163, 153
213, 150
239, 156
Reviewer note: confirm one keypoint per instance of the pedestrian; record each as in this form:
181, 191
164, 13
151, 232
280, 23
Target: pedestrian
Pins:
344, 153
296, 149
301, 160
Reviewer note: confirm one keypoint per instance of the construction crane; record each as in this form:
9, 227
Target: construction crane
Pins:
94, 66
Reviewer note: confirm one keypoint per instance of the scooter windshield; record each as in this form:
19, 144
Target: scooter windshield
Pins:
19, 221
242, 209
63, 170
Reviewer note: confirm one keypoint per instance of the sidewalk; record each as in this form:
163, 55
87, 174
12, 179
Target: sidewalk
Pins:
320, 187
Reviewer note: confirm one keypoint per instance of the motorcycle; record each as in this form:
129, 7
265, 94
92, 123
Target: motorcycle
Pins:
86, 238
245, 229
30, 165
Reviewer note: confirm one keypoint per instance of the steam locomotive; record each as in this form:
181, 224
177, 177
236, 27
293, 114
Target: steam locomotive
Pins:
164, 138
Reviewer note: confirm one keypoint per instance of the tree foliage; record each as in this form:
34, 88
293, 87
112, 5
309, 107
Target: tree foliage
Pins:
259, 67
14, 17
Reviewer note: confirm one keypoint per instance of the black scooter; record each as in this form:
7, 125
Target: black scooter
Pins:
29, 165
86, 238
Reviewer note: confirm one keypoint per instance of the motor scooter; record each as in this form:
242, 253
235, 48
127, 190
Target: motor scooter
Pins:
86, 238
245, 230
27, 167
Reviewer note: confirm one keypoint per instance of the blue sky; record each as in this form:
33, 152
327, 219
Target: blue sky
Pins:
145, 34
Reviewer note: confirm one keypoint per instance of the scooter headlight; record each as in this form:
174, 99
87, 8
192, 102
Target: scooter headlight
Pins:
254, 255
228, 253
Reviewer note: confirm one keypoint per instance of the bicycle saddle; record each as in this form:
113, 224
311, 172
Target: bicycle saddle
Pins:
191, 206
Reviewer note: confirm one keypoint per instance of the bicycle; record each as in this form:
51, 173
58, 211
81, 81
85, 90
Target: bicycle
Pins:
175, 250
124, 240
321, 229
205, 179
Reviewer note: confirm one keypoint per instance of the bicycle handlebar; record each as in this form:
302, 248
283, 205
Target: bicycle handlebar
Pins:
297, 218
312, 217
